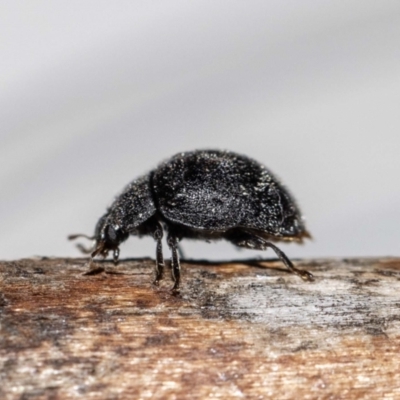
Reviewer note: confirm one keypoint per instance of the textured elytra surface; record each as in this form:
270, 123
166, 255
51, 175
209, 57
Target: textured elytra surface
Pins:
221, 190
237, 330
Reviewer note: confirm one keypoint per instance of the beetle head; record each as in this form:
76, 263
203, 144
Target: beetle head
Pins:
107, 237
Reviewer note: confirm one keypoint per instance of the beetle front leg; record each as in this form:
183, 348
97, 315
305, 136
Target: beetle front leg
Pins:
176, 267
158, 234
116, 255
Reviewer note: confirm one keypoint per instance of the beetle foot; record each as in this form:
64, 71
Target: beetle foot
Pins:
175, 290
159, 274
116, 255
156, 282
305, 275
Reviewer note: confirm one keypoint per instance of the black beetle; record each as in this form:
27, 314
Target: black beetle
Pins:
203, 194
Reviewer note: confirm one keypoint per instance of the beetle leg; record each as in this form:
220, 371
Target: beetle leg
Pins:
158, 234
116, 255
305, 275
98, 250
176, 267
251, 241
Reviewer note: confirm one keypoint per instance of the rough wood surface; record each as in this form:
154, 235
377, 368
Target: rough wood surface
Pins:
236, 331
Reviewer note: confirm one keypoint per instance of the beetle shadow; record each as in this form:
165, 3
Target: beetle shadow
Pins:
250, 262
106, 266
94, 271
102, 269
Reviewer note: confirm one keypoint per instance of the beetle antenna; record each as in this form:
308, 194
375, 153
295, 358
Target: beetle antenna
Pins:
78, 235
84, 249
81, 247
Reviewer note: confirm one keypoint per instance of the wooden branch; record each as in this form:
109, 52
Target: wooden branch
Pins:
235, 331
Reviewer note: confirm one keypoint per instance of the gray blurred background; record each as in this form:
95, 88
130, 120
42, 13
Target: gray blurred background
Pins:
95, 93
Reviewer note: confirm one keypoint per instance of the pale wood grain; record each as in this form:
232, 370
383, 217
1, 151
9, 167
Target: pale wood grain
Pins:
235, 331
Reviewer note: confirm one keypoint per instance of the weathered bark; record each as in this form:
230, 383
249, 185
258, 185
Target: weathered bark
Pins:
235, 331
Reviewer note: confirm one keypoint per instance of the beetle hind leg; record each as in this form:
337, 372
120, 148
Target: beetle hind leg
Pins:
251, 241
159, 270
175, 264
